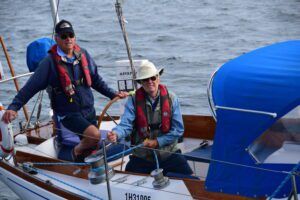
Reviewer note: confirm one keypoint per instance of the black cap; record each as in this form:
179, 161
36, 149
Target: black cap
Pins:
64, 26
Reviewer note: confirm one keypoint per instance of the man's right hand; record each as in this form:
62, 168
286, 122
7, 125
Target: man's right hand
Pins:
9, 116
112, 136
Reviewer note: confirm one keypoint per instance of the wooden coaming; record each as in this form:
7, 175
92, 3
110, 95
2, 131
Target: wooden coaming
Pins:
81, 171
199, 126
196, 126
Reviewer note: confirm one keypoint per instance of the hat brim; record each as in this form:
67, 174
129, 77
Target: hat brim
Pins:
66, 30
160, 72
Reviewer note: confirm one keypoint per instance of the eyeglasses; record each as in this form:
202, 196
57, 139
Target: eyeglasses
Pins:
153, 78
66, 35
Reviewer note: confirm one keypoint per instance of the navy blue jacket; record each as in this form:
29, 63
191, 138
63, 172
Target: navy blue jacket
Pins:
46, 76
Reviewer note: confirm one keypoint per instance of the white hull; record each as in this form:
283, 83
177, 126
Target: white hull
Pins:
126, 190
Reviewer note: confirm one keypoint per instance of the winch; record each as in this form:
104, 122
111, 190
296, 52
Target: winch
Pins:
159, 180
97, 174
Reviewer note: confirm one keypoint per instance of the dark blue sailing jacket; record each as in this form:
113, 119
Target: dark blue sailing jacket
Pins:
46, 77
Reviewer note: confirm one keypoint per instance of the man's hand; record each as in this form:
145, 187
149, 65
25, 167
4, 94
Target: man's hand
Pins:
112, 136
9, 116
150, 143
122, 94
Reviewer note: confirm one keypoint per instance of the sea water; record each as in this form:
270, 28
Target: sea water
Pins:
189, 38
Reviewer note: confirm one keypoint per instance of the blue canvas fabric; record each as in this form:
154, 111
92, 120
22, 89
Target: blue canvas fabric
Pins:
36, 51
266, 79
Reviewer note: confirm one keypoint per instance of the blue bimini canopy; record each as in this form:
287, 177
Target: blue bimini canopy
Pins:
266, 84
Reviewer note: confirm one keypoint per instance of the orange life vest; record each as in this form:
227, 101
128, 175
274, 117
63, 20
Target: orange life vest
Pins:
141, 115
63, 73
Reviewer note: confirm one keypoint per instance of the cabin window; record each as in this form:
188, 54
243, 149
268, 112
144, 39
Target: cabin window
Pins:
281, 142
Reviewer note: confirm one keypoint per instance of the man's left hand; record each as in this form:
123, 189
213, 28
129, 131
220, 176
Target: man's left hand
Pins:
122, 94
151, 143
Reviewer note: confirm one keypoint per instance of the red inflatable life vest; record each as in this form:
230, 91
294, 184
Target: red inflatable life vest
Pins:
63, 73
141, 115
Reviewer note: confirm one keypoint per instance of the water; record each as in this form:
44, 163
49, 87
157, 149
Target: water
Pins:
190, 38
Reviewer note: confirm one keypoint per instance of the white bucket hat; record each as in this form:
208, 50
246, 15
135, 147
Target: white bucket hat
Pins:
146, 70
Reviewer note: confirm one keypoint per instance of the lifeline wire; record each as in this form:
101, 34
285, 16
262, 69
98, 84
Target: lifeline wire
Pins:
214, 160
59, 163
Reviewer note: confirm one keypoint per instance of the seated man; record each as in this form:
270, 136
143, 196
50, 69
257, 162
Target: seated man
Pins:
68, 73
152, 117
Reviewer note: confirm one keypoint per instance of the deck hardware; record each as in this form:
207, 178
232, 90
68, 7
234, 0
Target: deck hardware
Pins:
77, 171
140, 182
28, 167
203, 144
48, 182
160, 181
121, 179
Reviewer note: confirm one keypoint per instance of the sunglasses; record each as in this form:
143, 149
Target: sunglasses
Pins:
153, 78
66, 35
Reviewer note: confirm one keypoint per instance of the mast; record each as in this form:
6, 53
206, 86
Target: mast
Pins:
122, 25
54, 6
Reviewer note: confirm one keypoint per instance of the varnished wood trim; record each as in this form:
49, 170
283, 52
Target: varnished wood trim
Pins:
81, 171
197, 126
35, 140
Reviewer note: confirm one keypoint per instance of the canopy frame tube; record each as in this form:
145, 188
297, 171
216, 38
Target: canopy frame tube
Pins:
274, 115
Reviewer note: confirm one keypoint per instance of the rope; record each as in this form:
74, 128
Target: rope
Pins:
126, 151
59, 163
287, 178
156, 159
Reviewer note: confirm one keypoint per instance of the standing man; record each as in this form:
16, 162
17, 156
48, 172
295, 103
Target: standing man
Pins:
152, 117
69, 74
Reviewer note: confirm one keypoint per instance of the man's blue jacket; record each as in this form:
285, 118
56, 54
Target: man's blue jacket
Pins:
46, 77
